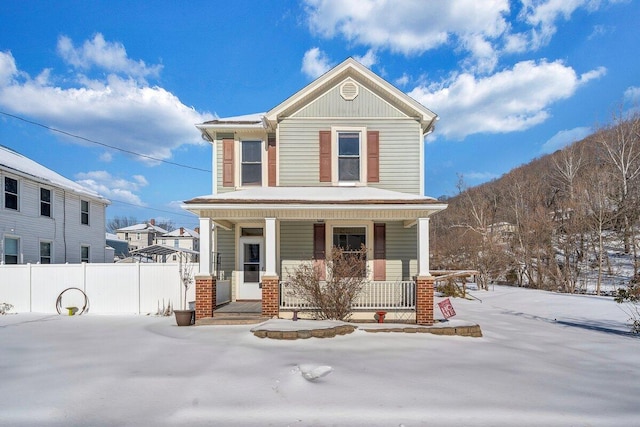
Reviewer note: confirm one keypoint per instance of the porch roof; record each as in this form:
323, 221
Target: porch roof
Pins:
313, 203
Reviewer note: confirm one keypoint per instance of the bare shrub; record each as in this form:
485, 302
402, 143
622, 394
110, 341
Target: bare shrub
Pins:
346, 274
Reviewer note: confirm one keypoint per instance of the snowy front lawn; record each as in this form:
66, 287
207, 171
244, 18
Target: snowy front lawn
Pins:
545, 359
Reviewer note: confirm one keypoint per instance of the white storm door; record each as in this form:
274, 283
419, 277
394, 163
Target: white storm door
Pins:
251, 268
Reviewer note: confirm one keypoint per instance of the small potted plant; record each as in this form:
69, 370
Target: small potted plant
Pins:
185, 317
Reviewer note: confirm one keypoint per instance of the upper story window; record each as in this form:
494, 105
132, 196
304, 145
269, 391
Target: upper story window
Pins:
251, 166
45, 202
348, 156
11, 250
176, 243
10, 193
84, 212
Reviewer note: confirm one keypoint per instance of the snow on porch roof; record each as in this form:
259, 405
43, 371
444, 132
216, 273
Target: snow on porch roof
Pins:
313, 195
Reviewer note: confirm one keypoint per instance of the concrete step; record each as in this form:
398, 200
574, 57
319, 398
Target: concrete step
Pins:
232, 319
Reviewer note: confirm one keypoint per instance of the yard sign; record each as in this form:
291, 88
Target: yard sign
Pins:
446, 308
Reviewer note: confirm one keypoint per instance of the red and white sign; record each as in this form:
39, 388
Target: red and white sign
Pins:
446, 308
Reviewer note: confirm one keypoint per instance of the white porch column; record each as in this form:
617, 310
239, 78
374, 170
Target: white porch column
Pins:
206, 246
270, 247
423, 247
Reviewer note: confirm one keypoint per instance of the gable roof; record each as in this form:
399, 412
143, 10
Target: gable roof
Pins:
21, 165
148, 227
350, 68
182, 232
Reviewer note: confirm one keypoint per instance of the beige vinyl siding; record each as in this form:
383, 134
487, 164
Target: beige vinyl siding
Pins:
400, 141
366, 104
402, 248
296, 245
226, 247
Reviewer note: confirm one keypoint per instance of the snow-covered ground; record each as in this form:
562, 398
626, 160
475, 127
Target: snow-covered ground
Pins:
545, 359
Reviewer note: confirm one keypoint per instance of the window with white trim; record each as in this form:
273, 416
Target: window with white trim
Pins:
84, 212
10, 193
11, 250
350, 240
84, 253
349, 156
251, 163
45, 252
45, 202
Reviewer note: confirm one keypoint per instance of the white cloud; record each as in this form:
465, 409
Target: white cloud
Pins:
118, 110
477, 29
368, 59
112, 187
511, 100
109, 56
402, 80
632, 95
315, 63
564, 138
478, 177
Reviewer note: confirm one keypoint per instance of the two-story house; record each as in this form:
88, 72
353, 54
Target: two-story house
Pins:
46, 218
339, 163
181, 238
140, 235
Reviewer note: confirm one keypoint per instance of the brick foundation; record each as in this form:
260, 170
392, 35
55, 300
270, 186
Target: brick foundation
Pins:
270, 296
205, 296
424, 300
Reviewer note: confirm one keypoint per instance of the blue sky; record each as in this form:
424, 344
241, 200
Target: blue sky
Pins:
510, 80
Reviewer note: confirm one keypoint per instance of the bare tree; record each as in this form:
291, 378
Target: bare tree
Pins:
118, 222
333, 298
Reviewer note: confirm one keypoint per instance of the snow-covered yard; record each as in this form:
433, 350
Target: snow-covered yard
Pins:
545, 359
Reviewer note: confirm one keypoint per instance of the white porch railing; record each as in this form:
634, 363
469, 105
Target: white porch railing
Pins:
386, 295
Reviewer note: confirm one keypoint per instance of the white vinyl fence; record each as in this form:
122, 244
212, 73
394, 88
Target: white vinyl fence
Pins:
110, 288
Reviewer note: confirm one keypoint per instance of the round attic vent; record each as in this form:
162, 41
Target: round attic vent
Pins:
349, 90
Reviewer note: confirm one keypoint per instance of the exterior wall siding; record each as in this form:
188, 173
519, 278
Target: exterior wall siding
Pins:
63, 229
226, 247
366, 104
296, 245
399, 151
402, 248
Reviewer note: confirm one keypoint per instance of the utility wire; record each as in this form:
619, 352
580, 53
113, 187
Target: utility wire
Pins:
102, 143
154, 209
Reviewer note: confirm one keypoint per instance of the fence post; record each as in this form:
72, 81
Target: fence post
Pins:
139, 280
30, 287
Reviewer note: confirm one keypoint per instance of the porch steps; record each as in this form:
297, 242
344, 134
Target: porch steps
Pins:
232, 319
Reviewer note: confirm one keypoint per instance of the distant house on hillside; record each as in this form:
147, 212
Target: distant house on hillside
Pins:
47, 218
140, 235
339, 163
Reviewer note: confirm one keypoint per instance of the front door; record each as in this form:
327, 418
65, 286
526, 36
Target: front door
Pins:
251, 268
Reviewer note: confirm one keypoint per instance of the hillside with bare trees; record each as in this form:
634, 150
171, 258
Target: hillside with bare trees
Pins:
554, 223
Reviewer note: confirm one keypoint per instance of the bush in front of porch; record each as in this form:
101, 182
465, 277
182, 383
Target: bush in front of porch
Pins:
332, 297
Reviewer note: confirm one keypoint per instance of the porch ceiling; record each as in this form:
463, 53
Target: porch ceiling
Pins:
313, 204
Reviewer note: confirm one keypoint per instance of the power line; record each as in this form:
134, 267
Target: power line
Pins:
102, 143
154, 209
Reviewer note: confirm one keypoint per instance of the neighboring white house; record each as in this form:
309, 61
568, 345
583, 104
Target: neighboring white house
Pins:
47, 218
181, 238
140, 235
339, 163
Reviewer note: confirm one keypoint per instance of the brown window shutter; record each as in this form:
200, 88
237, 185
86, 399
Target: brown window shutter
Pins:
271, 156
227, 162
379, 252
373, 156
325, 156
319, 248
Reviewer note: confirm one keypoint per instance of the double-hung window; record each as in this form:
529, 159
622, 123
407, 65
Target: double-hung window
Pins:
45, 202
350, 240
349, 156
11, 250
84, 212
45, 252
84, 253
251, 164
10, 193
